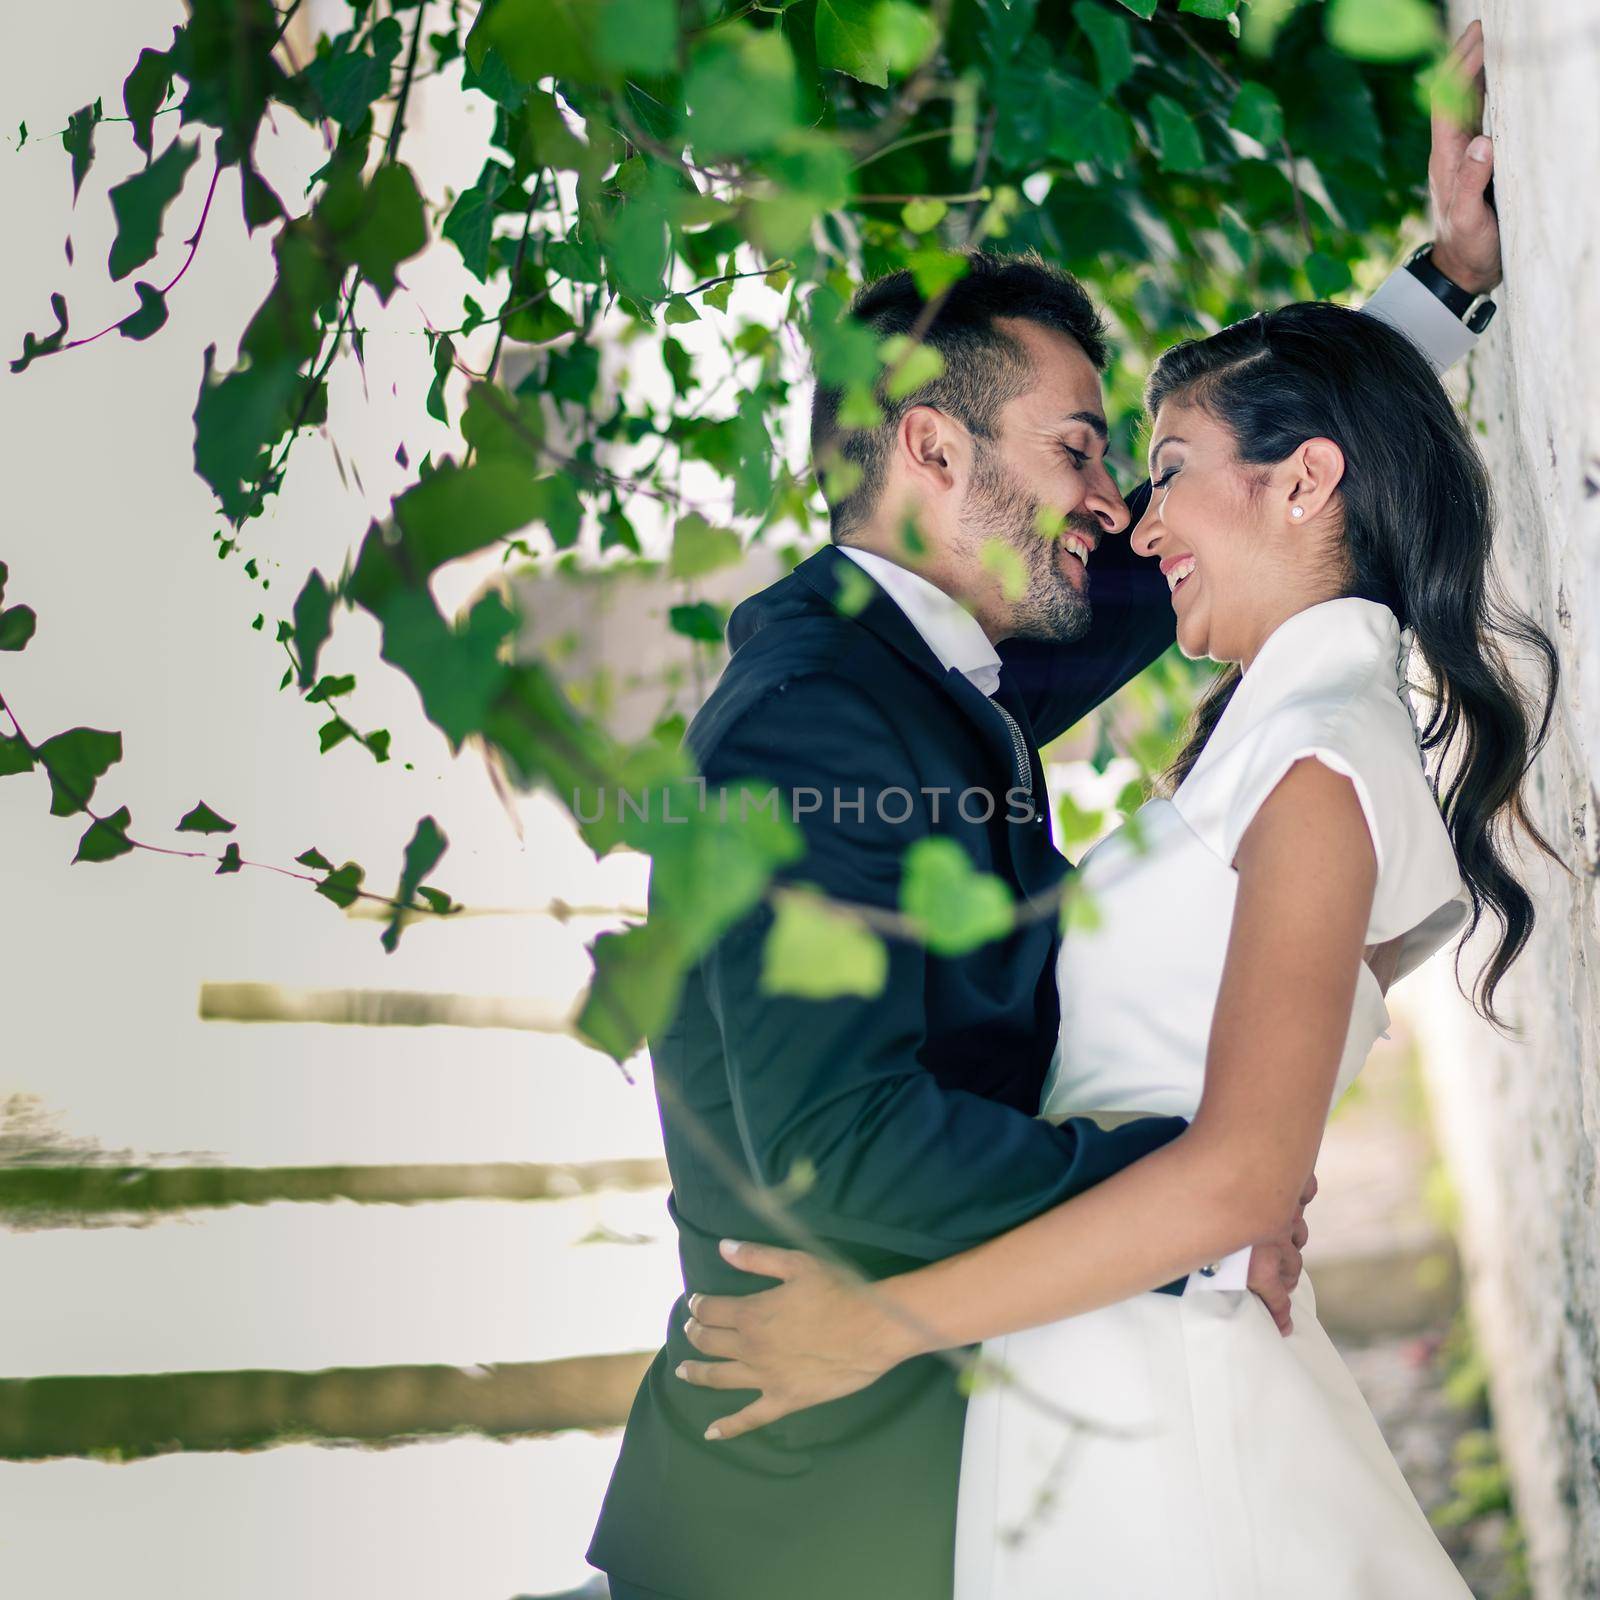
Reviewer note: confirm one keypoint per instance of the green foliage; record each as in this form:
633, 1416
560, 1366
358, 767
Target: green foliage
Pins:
644, 157
816, 951
16, 627
427, 845
954, 907
106, 838
140, 203
204, 820
76, 761
1384, 30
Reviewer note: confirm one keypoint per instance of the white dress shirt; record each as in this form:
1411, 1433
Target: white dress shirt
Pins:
948, 629
957, 639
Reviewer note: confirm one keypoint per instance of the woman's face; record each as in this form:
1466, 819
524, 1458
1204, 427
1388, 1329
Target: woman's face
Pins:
1236, 557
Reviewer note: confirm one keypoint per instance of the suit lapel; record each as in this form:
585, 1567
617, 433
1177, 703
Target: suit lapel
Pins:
833, 575
1034, 858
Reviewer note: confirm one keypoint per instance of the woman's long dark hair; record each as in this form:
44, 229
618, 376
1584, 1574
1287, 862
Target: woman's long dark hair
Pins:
1418, 528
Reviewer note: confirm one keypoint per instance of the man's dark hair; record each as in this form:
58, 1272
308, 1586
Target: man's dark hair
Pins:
984, 367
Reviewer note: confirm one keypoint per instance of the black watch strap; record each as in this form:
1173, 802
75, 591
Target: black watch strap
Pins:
1459, 300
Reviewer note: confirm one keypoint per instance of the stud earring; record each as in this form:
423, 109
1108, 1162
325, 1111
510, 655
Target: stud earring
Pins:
1297, 512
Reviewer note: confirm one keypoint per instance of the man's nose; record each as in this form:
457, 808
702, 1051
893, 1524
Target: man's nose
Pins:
1105, 504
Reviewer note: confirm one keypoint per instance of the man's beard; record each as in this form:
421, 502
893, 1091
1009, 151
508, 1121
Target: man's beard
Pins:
1050, 607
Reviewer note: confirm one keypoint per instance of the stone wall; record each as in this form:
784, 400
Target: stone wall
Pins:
1520, 1119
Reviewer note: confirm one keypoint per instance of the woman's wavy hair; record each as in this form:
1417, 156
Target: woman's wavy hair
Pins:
1418, 528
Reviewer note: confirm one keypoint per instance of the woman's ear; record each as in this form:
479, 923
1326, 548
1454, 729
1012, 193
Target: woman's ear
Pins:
1310, 478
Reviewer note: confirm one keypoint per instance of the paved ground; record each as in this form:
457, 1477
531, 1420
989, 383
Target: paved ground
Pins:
1434, 1438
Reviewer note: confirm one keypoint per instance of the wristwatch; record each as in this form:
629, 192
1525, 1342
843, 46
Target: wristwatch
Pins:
1460, 301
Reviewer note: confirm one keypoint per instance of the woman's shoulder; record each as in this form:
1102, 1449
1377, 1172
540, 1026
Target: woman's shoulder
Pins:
1330, 685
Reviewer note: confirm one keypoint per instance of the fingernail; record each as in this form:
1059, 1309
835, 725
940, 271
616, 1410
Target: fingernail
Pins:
694, 1305
1479, 149
681, 1370
713, 1432
730, 1248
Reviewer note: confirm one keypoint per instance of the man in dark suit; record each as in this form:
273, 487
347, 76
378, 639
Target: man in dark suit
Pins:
890, 692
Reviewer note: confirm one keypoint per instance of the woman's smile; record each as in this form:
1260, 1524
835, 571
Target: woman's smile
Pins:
1177, 570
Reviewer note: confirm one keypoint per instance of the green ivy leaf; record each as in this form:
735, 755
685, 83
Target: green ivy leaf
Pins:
1383, 30
703, 621
1214, 10
1257, 113
314, 859
847, 40
428, 844
536, 38
1110, 40
921, 216
377, 225
935, 270
140, 203
151, 316
330, 688
458, 510
637, 978
1176, 136
955, 907
343, 887
636, 35
1328, 275
143, 90
457, 670
77, 139
15, 757
106, 838
16, 627
35, 345
1142, 8
699, 548
470, 225
313, 613
204, 820
909, 365
741, 91
76, 761
346, 82
1076, 827
817, 951
905, 34
231, 861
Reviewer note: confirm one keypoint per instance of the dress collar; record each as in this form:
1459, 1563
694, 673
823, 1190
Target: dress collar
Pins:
1348, 627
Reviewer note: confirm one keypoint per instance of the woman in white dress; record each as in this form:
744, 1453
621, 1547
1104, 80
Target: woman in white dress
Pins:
1320, 512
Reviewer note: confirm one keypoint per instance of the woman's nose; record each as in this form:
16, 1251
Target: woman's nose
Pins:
1147, 534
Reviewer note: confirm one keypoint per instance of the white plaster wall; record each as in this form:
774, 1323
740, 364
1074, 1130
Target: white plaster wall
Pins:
1520, 1120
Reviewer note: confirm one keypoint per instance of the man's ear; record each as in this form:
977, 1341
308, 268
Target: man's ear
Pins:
932, 449
1309, 479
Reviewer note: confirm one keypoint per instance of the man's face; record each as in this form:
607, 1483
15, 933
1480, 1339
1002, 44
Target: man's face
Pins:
1040, 490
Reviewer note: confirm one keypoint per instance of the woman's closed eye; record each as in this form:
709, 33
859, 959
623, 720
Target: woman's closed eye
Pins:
1165, 478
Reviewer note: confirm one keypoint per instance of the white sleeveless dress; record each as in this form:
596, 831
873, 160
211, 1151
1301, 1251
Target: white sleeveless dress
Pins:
1231, 1463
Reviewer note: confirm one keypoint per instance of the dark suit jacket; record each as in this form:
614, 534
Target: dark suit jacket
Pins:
912, 1110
